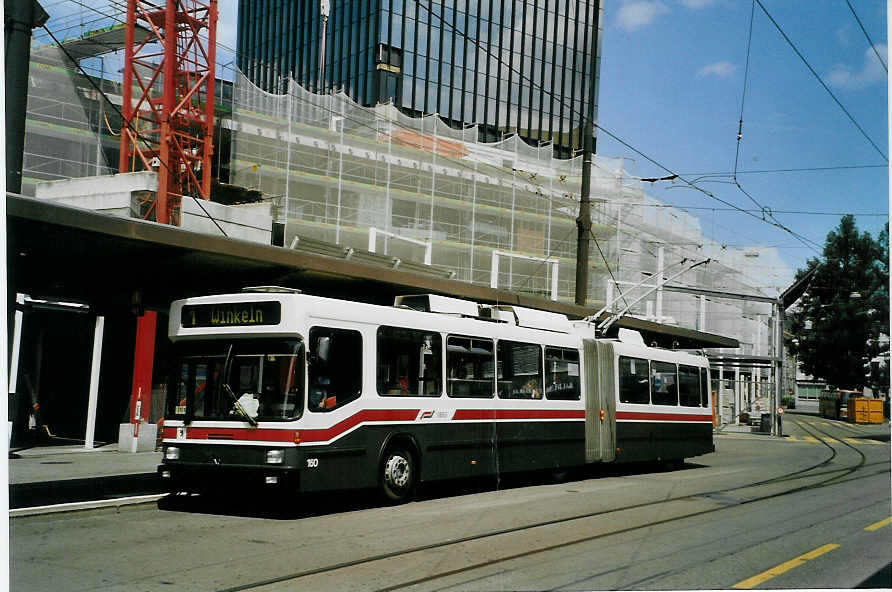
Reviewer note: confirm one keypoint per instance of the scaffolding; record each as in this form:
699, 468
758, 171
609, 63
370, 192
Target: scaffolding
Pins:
338, 172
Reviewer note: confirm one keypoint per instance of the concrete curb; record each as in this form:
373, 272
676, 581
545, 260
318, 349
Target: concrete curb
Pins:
89, 505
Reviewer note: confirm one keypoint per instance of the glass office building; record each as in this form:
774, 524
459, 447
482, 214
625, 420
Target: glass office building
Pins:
525, 67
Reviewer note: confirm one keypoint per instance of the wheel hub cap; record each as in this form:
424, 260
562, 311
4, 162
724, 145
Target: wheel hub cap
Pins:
397, 471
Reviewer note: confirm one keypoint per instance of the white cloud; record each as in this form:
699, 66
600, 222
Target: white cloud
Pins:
697, 4
722, 69
844, 77
634, 15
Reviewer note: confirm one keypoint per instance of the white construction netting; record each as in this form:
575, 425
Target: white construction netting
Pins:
342, 173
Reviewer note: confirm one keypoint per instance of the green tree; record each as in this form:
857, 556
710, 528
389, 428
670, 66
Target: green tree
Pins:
845, 308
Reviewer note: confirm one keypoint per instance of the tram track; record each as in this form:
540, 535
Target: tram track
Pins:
721, 498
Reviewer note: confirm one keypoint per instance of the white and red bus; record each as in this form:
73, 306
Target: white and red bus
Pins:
311, 393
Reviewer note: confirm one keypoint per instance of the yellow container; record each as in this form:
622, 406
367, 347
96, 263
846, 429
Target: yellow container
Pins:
863, 410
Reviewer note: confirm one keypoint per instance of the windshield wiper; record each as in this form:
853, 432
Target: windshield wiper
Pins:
238, 405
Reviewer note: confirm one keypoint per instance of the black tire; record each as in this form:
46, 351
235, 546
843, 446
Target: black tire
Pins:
398, 475
675, 464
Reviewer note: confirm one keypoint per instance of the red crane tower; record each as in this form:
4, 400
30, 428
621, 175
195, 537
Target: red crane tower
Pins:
171, 131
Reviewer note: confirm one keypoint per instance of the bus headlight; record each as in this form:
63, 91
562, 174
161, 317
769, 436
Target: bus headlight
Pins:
171, 453
275, 457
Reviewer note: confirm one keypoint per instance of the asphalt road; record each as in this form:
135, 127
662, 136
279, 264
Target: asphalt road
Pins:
808, 511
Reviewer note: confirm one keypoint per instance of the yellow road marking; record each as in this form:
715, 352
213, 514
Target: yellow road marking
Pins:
853, 441
879, 525
793, 438
784, 567
829, 440
809, 438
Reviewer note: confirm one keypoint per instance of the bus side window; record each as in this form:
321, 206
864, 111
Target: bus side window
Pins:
561, 373
334, 368
634, 380
664, 383
470, 367
519, 370
409, 362
704, 387
688, 386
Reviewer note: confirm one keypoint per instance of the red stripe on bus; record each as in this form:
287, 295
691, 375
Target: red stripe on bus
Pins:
376, 415
354, 420
247, 434
662, 416
306, 435
465, 414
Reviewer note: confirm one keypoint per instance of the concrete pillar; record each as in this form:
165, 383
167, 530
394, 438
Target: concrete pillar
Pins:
736, 409
720, 392
94, 382
660, 260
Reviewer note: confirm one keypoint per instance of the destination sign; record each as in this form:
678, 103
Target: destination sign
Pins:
231, 314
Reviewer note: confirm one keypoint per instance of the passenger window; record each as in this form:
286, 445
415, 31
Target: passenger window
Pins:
519, 370
334, 366
470, 367
409, 362
663, 383
634, 380
688, 386
704, 387
561, 373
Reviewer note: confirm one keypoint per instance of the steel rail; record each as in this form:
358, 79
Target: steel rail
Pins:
793, 475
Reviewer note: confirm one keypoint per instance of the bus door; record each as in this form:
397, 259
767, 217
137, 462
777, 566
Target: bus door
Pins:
600, 380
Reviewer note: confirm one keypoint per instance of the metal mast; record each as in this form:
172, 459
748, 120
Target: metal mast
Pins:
168, 101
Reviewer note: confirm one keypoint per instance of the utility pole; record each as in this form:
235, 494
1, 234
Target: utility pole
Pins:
584, 220
20, 16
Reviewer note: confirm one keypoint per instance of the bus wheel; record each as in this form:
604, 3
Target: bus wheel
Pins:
397, 475
674, 464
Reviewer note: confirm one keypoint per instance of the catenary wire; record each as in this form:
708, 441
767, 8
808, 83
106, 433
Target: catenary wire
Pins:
869, 40
746, 73
815, 74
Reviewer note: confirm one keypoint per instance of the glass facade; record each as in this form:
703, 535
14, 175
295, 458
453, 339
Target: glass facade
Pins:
512, 67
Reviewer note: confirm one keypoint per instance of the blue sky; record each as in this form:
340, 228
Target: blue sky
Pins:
672, 79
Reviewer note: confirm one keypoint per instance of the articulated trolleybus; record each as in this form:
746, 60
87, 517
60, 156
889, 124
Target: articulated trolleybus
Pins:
295, 391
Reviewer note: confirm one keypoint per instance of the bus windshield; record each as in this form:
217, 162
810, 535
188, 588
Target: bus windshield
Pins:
239, 380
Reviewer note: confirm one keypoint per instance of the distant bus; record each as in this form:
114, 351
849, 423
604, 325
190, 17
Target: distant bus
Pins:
833, 403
